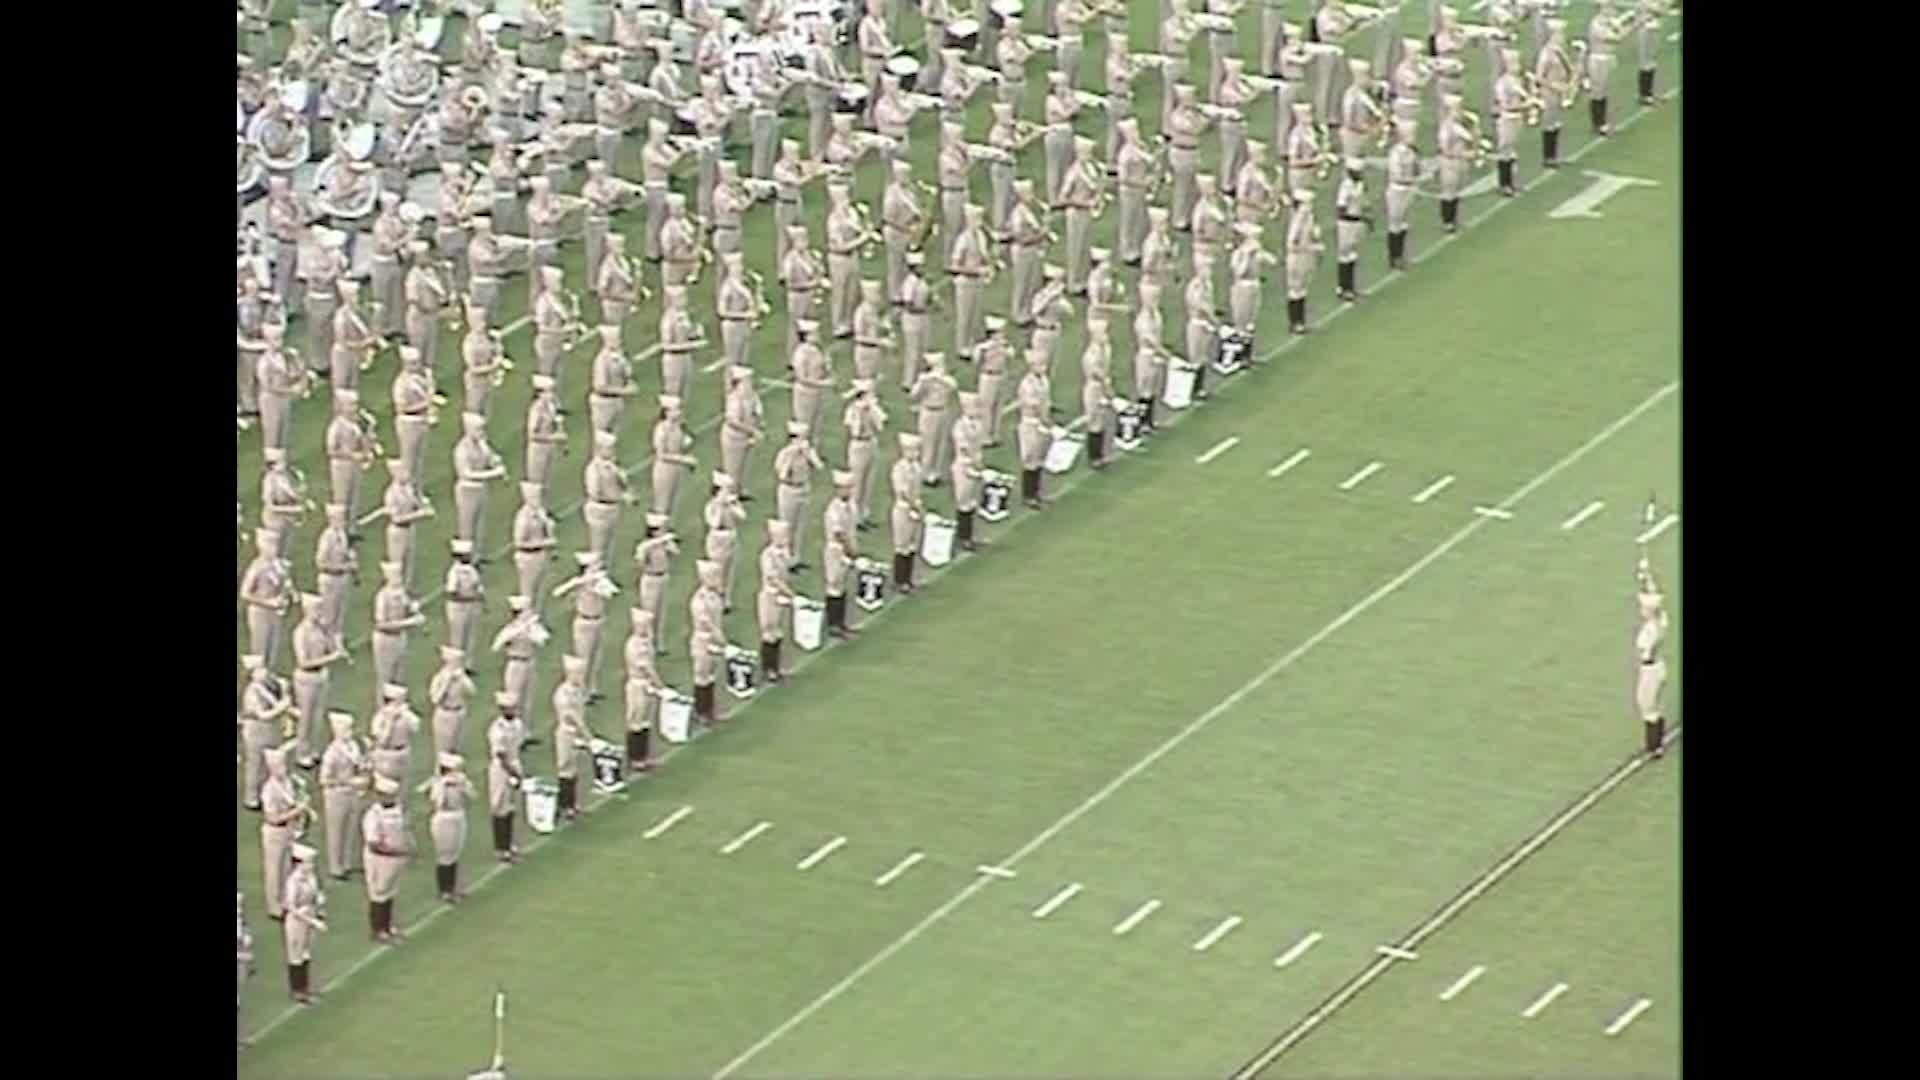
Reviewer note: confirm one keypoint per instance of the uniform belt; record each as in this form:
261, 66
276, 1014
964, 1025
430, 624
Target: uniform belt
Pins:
955, 188
912, 310
336, 573
589, 618
736, 318
796, 487
1038, 325
788, 202
603, 502
311, 669
1191, 148
854, 250
417, 414
524, 550
869, 343
389, 633
653, 574
604, 394
463, 599
1355, 220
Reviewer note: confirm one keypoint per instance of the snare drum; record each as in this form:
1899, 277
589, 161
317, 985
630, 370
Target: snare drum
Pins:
904, 67
1006, 13
963, 34
850, 98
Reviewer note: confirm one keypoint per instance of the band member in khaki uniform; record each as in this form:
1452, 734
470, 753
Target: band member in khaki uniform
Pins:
971, 266
1248, 264
657, 159
903, 222
394, 613
670, 457
680, 340
846, 234
414, 408
554, 321
742, 422
475, 465
447, 796
1352, 220
1202, 336
680, 247
283, 499
1106, 296
1303, 255
1005, 138
731, 201
872, 339
1177, 31
281, 812
489, 258
775, 594
266, 588
448, 691
1510, 103
653, 556
1233, 98
1403, 180
504, 773
1361, 120
643, 686
1186, 123
864, 419
1457, 146
791, 173
1096, 393
1604, 32
1028, 242
618, 282
612, 382
723, 514
262, 708
801, 273
991, 357
322, 274
546, 432
388, 846
279, 377
353, 338
1558, 81
933, 396
484, 363
793, 469
317, 646
606, 490
533, 539
969, 459
345, 774
1645, 20
738, 308
1149, 352
520, 640
571, 735
1051, 310
840, 549
1651, 677
1120, 69
708, 642
1036, 405
1058, 111
1158, 251
392, 728
955, 166
388, 237
1210, 224
427, 293
906, 478
1081, 194
812, 377
301, 922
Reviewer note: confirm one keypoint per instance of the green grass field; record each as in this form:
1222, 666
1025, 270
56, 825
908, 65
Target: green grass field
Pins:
1198, 691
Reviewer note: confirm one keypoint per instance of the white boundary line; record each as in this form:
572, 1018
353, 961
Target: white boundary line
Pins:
1463, 982
899, 868
1058, 899
1299, 456
820, 856
1219, 448
1394, 952
1434, 488
1540, 1003
1664, 524
1214, 935
1575, 521
1299, 949
1192, 728
745, 838
1620, 1024
666, 823
987, 871
1126, 925
1360, 477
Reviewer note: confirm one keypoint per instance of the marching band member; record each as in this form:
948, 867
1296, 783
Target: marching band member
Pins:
392, 727
1456, 144
317, 646
1011, 53
1554, 73
280, 811
571, 735
1138, 168
1256, 193
1211, 225
1603, 33
1027, 243
1233, 95
723, 515
617, 113
283, 499
344, 777
1403, 179
1290, 87
488, 257
793, 470
504, 773
905, 480
483, 362
1081, 193
394, 613
737, 306
451, 220
933, 397
353, 339
643, 686
774, 594
934, 16
1648, 644
653, 556
840, 549
1273, 37
448, 690
1218, 23
546, 431
969, 460
670, 457
389, 236
666, 90
742, 422
876, 48
301, 922
578, 59
990, 358
801, 271
611, 385
603, 195
1149, 350
658, 156
1106, 296
1449, 40
970, 266
893, 113
1096, 393
403, 506
533, 539
708, 643
1177, 31
812, 371
336, 563
846, 234
1646, 28
903, 222
606, 489
1303, 254
844, 147
618, 282
321, 275
505, 181
871, 337
426, 292
955, 166
1351, 222
823, 78
1248, 264
731, 200
261, 708
387, 845
1410, 79
913, 299
770, 89
1361, 120
1186, 123
519, 641
1304, 150
252, 308
864, 419
1003, 136
1510, 102
680, 338
1070, 18
1119, 70
1157, 251
1202, 336
958, 83
465, 593
415, 405
475, 464
1036, 405
1050, 310
681, 252
447, 795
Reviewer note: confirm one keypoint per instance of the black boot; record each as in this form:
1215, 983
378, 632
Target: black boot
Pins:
1344, 272
1039, 496
453, 883
703, 702
440, 881
1506, 177
1450, 214
1200, 381
635, 755
295, 985
506, 833
1097, 449
903, 571
1297, 315
1646, 86
1656, 735
1550, 148
569, 797
499, 836
1397, 250
1030, 487
373, 920
963, 531
1146, 413
1597, 110
774, 674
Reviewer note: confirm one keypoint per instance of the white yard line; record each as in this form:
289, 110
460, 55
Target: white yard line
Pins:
1299, 949
1540, 1003
1394, 952
1299, 456
1214, 935
899, 868
1360, 477
1126, 925
745, 838
1665, 523
1463, 982
820, 855
1494, 512
1193, 727
1058, 899
1580, 518
1620, 1024
1219, 448
995, 871
666, 823
1434, 488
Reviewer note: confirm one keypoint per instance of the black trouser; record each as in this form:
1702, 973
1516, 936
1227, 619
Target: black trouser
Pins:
503, 833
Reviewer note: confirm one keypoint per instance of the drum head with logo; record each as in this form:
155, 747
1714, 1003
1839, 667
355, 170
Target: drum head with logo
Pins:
359, 142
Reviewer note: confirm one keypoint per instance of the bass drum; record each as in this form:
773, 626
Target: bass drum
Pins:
741, 72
